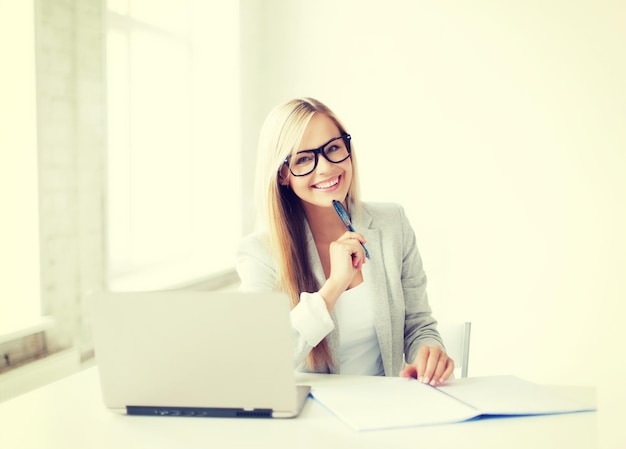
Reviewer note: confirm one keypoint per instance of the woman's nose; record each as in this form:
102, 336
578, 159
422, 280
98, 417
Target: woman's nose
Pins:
323, 165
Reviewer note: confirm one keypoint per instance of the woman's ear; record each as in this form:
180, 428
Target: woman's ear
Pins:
283, 176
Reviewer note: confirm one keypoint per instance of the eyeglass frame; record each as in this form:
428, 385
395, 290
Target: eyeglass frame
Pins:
320, 150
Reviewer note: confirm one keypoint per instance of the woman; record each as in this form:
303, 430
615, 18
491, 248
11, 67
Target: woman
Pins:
350, 314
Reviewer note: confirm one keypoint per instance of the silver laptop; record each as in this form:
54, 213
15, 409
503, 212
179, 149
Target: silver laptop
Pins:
192, 353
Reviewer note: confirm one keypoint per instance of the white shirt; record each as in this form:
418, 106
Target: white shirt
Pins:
359, 352
359, 349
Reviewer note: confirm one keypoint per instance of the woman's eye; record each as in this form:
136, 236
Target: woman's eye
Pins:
332, 149
303, 160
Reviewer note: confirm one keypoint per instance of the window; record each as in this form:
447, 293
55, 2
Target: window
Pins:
20, 298
173, 176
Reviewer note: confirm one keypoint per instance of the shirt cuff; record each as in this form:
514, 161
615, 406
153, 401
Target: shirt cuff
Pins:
311, 318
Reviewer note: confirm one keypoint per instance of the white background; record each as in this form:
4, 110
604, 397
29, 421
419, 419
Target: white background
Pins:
498, 126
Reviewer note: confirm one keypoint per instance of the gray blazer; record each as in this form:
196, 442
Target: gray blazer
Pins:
403, 318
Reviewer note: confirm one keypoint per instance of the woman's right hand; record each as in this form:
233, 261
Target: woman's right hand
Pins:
347, 256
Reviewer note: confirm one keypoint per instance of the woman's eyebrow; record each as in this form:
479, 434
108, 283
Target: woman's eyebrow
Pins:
321, 146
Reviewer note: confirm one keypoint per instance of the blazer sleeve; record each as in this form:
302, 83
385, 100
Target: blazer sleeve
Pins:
420, 327
310, 320
254, 265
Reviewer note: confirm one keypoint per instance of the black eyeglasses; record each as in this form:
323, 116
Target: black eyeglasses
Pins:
304, 162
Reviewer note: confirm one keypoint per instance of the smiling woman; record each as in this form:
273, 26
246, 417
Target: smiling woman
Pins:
377, 304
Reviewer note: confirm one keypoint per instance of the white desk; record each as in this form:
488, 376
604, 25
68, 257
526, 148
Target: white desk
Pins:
69, 414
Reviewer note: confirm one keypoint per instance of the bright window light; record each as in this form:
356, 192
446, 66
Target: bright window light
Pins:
173, 213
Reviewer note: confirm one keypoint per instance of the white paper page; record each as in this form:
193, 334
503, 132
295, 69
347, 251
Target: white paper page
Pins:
392, 404
509, 395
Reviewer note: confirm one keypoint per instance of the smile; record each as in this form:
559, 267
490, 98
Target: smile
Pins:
327, 184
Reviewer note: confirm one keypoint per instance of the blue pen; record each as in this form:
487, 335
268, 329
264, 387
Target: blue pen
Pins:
346, 221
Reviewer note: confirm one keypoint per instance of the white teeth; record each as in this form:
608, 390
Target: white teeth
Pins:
327, 184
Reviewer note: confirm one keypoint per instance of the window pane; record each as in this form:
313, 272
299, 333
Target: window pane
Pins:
118, 6
160, 142
168, 15
19, 228
173, 166
118, 220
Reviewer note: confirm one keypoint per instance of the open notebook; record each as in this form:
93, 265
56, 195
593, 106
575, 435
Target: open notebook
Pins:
399, 402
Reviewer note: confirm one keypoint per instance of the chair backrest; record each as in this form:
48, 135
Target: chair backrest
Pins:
456, 338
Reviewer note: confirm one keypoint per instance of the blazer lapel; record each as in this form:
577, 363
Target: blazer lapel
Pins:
374, 274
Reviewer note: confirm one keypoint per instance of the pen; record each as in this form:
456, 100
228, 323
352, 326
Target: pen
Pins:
346, 221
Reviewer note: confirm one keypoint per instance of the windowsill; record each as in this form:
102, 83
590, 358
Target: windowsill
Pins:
172, 277
25, 328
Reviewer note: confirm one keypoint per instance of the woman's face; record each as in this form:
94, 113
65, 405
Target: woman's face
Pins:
329, 181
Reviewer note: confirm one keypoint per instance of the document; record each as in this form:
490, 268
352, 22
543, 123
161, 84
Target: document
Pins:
399, 402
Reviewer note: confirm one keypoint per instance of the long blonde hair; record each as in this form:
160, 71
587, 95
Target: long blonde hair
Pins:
281, 212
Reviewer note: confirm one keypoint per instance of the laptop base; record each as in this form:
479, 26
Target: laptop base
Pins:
302, 393
200, 412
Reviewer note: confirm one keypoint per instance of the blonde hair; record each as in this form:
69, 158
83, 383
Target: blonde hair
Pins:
280, 210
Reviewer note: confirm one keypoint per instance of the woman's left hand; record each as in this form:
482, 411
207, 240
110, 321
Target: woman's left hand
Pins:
431, 366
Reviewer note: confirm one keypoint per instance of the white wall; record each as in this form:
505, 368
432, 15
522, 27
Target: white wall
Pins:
497, 126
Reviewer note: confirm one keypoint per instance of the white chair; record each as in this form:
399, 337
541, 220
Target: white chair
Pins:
456, 338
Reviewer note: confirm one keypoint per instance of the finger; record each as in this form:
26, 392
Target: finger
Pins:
349, 235
353, 243
359, 257
420, 362
356, 251
349, 247
440, 369
448, 371
409, 371
433, 359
